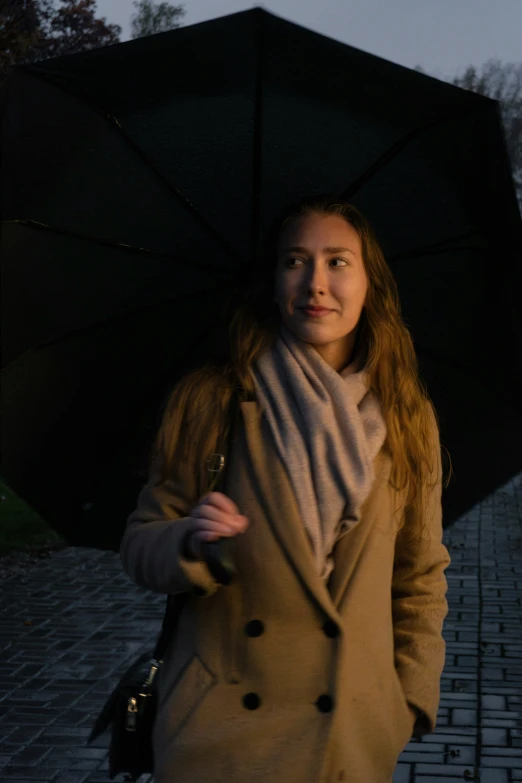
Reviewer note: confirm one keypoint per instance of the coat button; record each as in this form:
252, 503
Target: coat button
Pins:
324, 703
254, 628
331, 629
251, 701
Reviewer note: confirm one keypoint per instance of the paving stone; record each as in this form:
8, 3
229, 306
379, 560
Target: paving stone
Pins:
21, 698
32, 754
494, 776
72, 777
90, 621
402, 773
73, 764
496, 737
460, 754
103, 777
451, 735
498, 723
491, 702
29, 773
501, 761
513, 752
25, 734
461, 717
458, 771
438, 779
64, 731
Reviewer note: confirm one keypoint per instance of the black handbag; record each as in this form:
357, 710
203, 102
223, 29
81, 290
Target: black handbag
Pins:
131, 708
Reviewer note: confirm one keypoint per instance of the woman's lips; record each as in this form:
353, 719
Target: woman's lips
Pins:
313, 313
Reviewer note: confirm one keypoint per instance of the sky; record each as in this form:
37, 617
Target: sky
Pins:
442, 36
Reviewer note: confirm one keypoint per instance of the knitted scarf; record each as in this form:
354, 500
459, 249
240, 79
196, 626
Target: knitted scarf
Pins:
328, 429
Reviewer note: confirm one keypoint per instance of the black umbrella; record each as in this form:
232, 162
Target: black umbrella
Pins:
137, 182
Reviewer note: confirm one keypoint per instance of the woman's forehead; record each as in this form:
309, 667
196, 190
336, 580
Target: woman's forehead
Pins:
332, 229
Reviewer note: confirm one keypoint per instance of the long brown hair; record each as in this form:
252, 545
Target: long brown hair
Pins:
383, 342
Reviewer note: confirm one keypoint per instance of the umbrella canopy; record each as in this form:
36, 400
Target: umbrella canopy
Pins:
137, 181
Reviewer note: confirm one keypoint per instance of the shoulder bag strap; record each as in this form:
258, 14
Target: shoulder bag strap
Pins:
222, 570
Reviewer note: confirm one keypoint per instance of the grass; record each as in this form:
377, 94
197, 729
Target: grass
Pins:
20, 525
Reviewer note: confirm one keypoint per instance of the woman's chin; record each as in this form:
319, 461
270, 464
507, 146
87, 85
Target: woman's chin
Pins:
311, 333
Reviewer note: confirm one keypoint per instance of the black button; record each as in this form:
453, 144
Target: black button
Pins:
331, 629
254, 628
251, 701
324, 703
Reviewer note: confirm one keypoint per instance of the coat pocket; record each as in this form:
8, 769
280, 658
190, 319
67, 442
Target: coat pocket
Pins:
193, 684
403, 707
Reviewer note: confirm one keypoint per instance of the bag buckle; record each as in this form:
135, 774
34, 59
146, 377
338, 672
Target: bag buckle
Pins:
215, 463
132, 713
154, 668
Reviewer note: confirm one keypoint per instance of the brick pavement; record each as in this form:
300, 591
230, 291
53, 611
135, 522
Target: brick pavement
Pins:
72, 624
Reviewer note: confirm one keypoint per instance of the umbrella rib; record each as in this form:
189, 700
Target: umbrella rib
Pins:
111, 319
150, 396
112, 120
396, 148
435, 252
512, 399
258, 147
443, 246
173, 189
207, 268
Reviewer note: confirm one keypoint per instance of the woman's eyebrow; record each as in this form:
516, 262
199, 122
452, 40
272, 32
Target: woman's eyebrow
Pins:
299, 249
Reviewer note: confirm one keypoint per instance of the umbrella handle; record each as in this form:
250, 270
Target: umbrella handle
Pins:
218, 557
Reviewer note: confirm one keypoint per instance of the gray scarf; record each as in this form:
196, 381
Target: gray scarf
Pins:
328, 429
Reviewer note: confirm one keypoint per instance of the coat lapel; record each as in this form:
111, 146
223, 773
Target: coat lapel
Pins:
349, 547
279, 503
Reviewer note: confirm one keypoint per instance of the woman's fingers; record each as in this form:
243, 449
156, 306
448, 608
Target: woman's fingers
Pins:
221, 501
219, 528
217, 515
204, 535
211, 513
217, 509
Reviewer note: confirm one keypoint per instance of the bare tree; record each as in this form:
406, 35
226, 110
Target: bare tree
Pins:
502, 82
33, 30
151, 17
21, 36
73, 27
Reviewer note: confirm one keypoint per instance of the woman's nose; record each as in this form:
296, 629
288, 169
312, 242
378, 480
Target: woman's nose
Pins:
316, 280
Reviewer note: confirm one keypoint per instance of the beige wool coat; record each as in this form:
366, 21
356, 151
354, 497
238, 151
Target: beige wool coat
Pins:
281, 677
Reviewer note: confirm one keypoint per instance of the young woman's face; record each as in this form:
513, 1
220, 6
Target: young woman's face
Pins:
319, 262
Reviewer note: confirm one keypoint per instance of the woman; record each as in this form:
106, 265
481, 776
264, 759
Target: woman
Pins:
324, 655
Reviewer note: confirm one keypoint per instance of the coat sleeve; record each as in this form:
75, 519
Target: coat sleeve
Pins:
151, 549
419, 607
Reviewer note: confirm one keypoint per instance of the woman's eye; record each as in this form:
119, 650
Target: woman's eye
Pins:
342, 260
289, 261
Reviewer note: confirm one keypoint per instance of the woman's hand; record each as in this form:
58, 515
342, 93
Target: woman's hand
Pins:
216, 515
